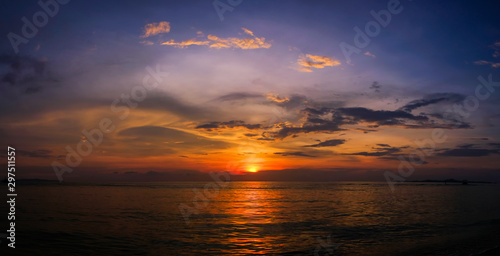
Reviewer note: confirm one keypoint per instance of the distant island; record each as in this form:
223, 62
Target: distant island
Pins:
464, 182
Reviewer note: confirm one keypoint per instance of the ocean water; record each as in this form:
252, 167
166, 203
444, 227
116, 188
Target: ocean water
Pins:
245, 218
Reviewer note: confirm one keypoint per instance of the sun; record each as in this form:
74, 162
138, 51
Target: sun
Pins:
252, 168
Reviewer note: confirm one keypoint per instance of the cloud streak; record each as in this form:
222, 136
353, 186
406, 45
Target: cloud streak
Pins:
433, 99
471, 150
496, 54
382, 151
328, 143
229, 124
491, 63
247, 43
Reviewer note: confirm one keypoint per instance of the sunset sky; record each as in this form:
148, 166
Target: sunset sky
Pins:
267, 90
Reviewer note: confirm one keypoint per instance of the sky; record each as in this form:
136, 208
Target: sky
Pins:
265, 90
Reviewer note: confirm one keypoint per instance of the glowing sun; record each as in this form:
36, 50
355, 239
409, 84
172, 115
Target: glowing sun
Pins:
252, 168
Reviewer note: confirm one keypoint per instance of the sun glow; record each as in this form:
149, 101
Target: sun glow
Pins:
252, 168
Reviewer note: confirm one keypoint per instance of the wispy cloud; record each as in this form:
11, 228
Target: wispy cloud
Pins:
25, 73
328, 143
242, 43
238, 96
378, 151
40, 153
491, 63
152, 29
496, 47
186, 43
375, 86
309, 61
276, 98
471, 150
370, 54
248, 31
496, 54
230, 124
216, 42
145, 42
433, 99
293, 153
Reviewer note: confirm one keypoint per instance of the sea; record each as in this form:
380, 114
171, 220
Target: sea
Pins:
254, 218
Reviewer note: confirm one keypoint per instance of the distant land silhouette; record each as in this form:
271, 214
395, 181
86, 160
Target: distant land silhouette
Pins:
452, 181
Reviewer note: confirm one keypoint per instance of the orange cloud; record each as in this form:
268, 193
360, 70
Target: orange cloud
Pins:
496, 47
370, 54
496, 54
248, 31
230, 42
484, 62
156, 28
276, 98
308, 61
186, 43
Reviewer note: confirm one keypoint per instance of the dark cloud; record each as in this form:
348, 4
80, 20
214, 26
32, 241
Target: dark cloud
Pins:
239, 96
433, 99
293, 153
32, 90
326, 127
468, 152
229, 124
471, 150
328, 143
384, 145
380, 151
293, 102
317, 120
420, 103
329, 117
40, 153
24, 72
382, 117
466, 146
375, 86
329, 120
265, 138
494, 144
